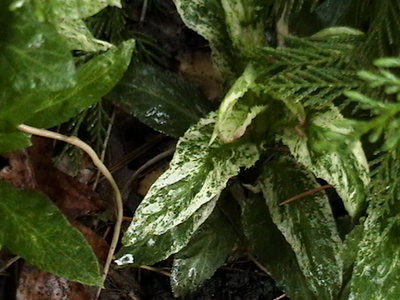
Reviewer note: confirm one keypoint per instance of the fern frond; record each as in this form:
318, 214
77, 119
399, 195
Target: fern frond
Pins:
383, 34
109, 24
312, 71
386, 121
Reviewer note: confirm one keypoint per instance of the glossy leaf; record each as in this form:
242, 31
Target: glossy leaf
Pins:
307, 224
33, 228
204, 254
149, 249
270, 247
33, 59
237, 110
343, 165
95, 79
198, 173
160, 99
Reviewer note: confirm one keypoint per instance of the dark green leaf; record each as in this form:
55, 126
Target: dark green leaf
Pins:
204, 254
95, 79
350, 250
307, 225
33, 228
160, 99
270, 247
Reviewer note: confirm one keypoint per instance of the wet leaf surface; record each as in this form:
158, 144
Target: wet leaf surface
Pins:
159, 98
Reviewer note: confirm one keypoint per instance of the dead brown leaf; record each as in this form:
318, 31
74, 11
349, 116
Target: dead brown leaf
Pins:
35, 284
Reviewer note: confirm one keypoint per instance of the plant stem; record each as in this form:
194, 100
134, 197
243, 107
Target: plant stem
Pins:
106, 173
305, 194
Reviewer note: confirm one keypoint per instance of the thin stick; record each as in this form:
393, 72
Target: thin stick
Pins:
103, 169
9, 263
280, 297
259, 265
156, 270
143, 12
305, 194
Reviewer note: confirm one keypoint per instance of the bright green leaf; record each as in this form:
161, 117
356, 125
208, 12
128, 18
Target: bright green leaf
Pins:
160, 99
307, 225
343, 165
197, 174
95, 79
12, 141
387, 62
33, 59
204, 254
33, 228
270, 247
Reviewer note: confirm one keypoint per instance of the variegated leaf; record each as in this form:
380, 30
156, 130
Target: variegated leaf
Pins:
198, 173
307, 225
344, 166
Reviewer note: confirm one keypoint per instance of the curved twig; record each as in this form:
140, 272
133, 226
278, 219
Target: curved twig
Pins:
103, 169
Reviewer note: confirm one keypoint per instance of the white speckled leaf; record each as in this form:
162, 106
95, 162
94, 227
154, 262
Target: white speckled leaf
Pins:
347, 170
149, 249
67, 17
198, 173
307, 224
79, 37
376, 273
234, 28
236, 113
207, 18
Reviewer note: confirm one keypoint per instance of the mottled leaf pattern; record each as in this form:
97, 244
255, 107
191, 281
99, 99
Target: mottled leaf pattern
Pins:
307, 225
207, 18
345, 167
237, 110
198, 173
149, 249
